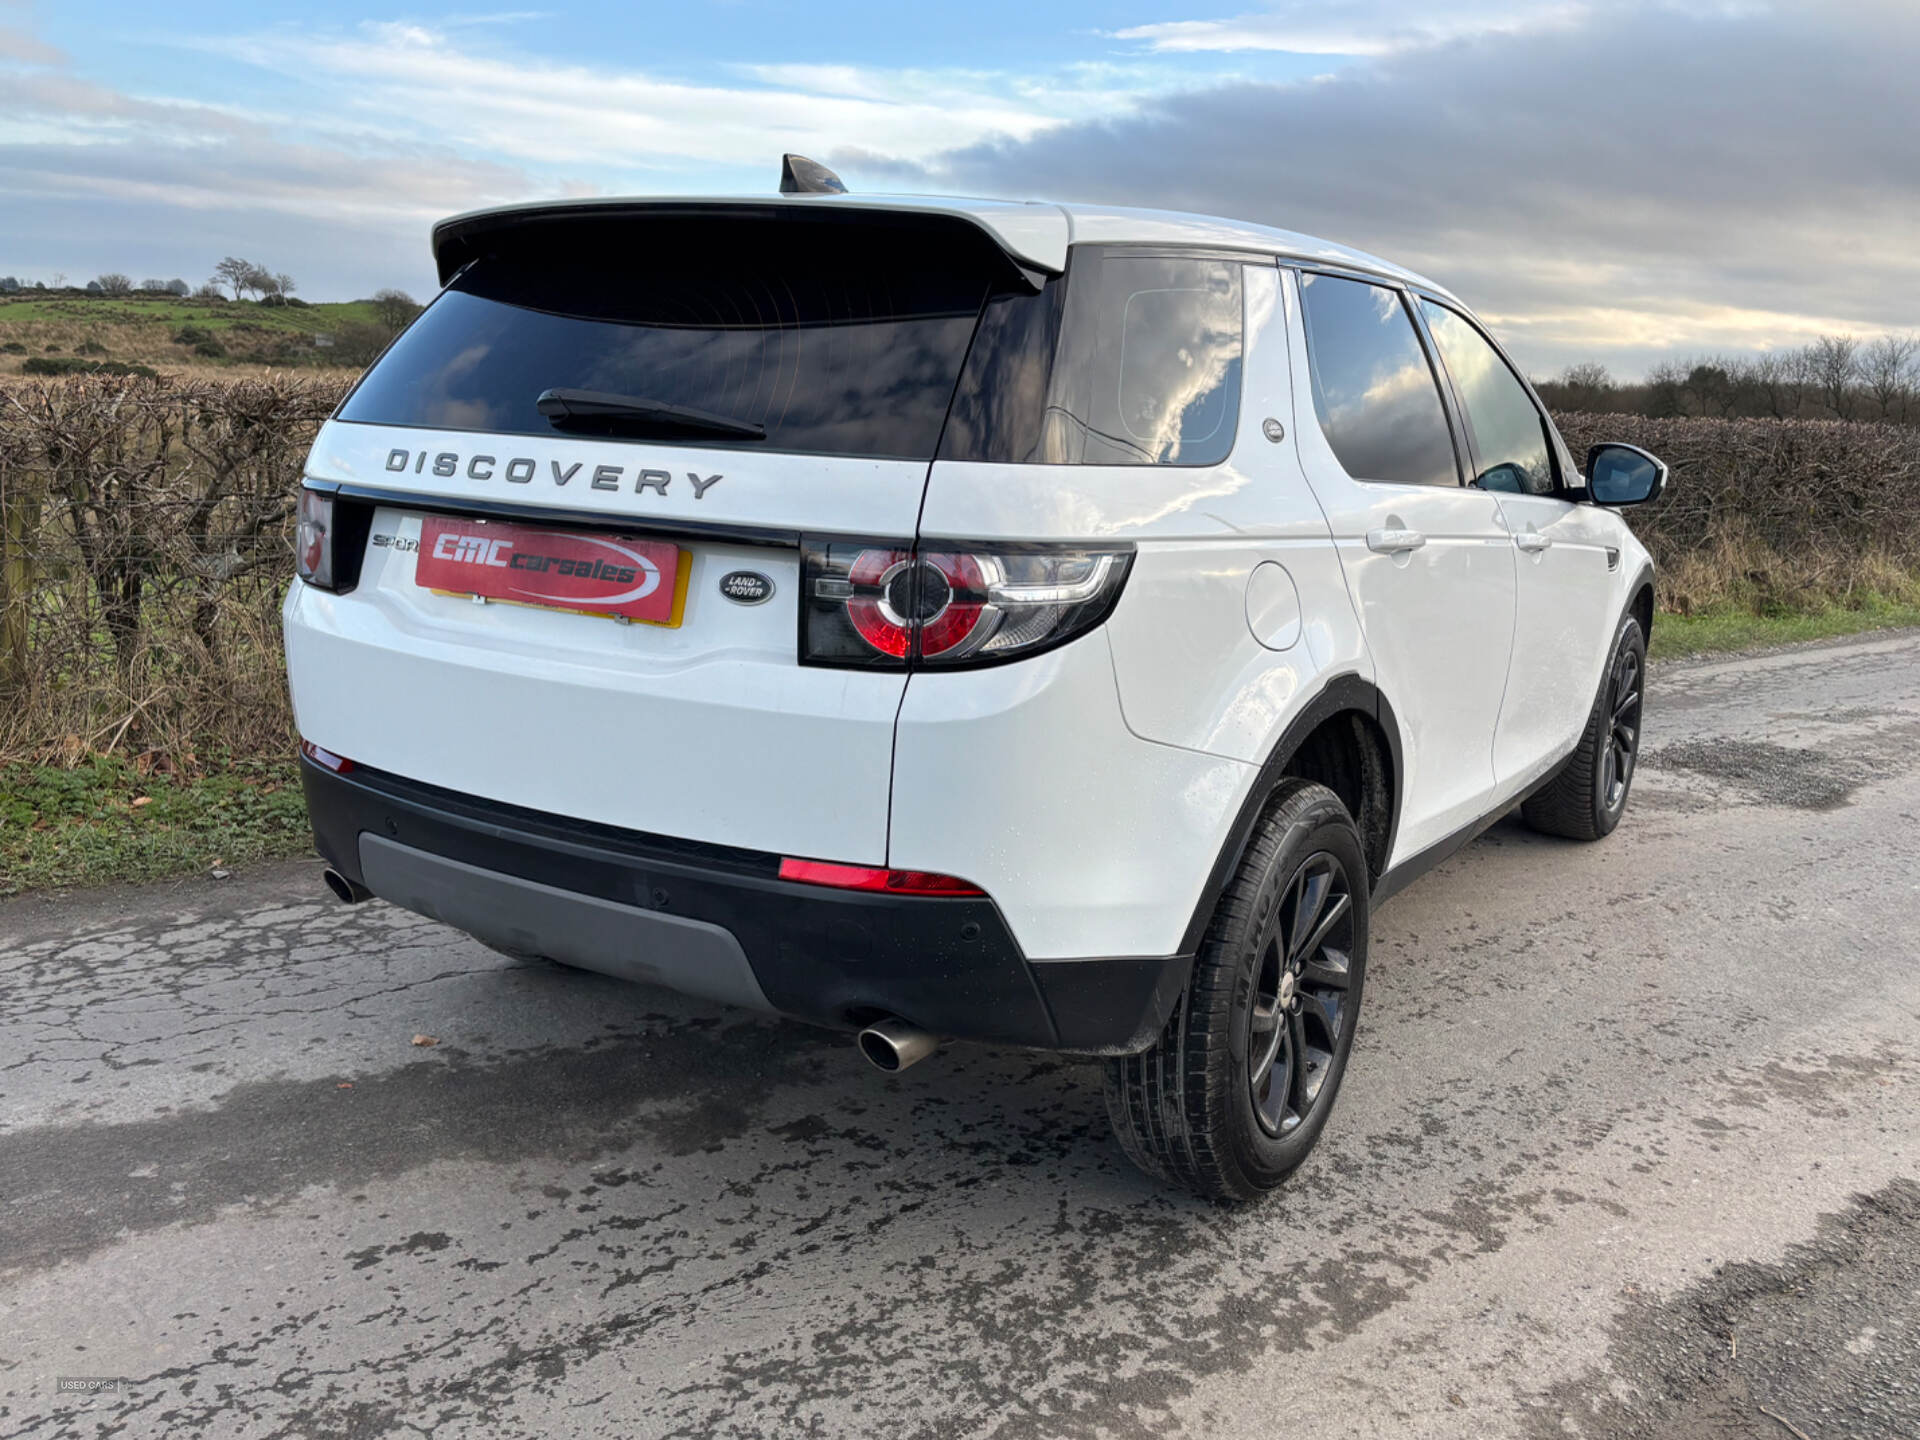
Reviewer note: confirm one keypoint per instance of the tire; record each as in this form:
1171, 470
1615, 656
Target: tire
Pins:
1587, 797
1193, 1110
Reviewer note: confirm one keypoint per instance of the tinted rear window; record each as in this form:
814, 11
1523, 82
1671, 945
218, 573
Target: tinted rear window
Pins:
837, 339
1131, 360
1376, 396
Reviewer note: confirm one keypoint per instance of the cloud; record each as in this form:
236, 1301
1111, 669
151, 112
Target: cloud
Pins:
559, 115
1355, 27
1621, 181
422, 121
97, 179
1649, 181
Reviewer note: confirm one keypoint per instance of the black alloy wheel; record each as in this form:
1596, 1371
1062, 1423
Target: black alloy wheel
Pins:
1623, 739
1235, 1092
1299, 1009
1587, 796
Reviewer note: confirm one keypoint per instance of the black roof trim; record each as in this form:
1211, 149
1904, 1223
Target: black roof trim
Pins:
459, 241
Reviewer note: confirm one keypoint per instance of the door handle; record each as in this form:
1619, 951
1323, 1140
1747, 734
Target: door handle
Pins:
1532, 541
1394, 542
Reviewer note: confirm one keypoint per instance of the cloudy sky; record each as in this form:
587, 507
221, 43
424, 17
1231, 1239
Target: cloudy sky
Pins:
1602, 179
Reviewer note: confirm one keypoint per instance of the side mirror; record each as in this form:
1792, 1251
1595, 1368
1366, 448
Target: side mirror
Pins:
1623, 475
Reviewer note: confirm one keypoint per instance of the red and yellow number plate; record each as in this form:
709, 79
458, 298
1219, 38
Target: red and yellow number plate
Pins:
555, 569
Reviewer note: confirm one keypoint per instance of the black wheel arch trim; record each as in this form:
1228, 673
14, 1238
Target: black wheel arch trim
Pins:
1343, 694
1643, 580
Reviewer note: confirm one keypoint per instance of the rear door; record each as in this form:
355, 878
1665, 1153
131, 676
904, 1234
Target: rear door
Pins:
792, 379
1568, 573
1428, 562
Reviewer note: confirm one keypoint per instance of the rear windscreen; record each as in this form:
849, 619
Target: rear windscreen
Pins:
837, 339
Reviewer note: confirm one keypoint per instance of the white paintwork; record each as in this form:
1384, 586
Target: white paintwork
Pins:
1438, 619
1024, 780
1089, 789
1568, 604
708, 732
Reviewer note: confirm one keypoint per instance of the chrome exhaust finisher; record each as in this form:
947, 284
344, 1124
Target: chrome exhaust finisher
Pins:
893, 1045
348, 892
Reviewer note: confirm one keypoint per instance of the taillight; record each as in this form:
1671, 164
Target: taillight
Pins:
874, 878
888, 605
313, 539
325, 759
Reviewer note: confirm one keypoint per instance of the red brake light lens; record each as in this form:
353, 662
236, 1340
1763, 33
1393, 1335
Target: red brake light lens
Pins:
313, 539
875, 576
867, 877
325, 759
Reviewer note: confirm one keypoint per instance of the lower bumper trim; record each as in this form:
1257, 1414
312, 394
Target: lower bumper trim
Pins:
720, 923
691, 956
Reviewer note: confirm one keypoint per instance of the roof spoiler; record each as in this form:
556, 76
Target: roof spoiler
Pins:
1033, 238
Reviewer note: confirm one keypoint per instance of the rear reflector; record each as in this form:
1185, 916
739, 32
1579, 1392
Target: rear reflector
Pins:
864, 877
325, 759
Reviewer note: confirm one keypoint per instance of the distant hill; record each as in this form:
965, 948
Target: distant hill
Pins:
189, 333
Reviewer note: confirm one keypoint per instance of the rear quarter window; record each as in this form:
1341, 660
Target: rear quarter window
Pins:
1130, 360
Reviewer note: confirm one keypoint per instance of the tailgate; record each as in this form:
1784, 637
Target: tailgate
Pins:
707, 730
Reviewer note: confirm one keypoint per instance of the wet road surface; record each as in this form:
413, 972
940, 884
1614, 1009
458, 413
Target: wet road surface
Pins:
1630, 1146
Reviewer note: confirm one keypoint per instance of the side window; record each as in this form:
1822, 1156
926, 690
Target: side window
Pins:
1148, 369
1378, 403
1509, 433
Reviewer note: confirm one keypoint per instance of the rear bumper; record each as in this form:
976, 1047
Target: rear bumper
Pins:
718, 922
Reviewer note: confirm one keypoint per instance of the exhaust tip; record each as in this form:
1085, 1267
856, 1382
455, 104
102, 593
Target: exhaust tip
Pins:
347, 892
893, 1045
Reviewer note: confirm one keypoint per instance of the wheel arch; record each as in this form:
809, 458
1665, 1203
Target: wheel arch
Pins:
1641, 605
1346, 738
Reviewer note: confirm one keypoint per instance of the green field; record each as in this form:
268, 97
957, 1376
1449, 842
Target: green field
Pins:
188, 335
16, 310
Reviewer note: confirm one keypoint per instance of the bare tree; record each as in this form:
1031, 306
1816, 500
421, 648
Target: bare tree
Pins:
1666, 383
114, 283
235, 272
209, 291
1775, 380
1890, 366
396, 308
177, 287
1835, 362
283, 284
158, 287
1586, 386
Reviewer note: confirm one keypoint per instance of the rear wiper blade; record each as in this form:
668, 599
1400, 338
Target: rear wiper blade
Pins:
593, 408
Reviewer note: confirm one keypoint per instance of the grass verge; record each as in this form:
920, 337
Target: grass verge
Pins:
104, 821
1715, 631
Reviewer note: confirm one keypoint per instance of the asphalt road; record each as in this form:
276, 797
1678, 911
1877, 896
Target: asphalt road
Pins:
1628, 1147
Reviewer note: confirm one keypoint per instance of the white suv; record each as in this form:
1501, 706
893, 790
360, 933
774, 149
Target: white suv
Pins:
1047, 625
